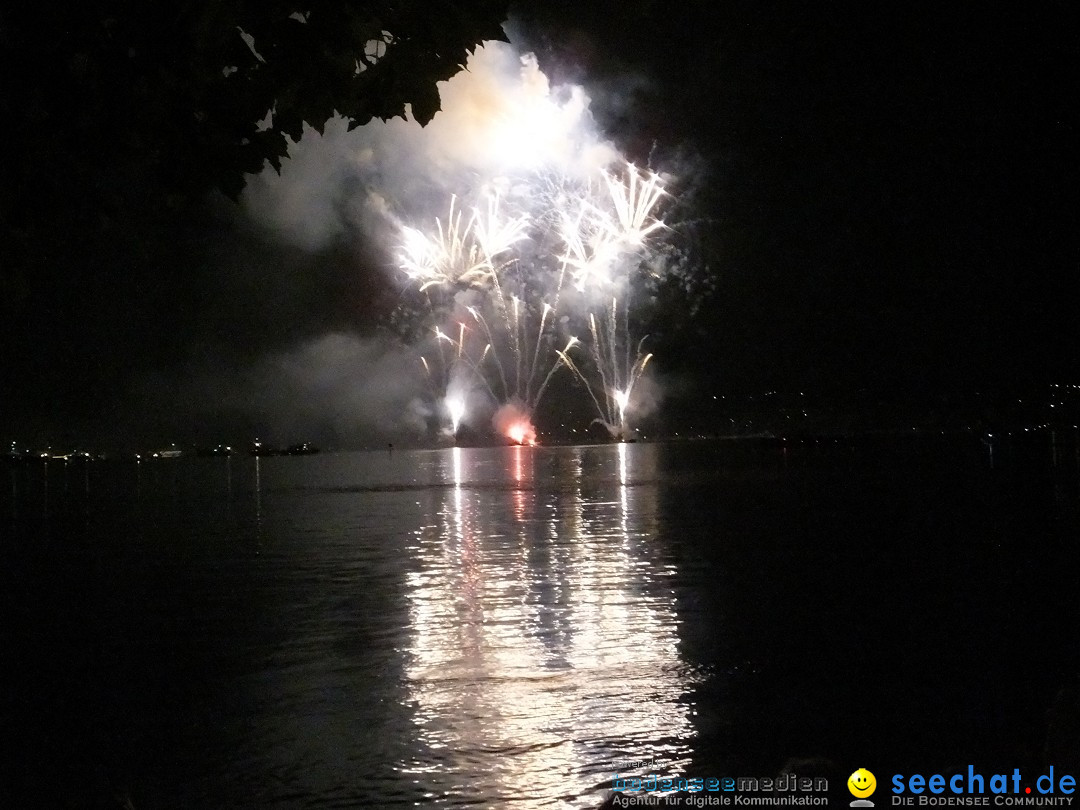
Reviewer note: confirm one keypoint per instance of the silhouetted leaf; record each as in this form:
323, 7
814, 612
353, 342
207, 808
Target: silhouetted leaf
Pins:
425, 103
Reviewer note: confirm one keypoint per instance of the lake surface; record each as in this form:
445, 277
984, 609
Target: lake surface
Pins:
507, 627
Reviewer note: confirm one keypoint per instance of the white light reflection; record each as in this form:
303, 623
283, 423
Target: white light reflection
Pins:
456, 455
544, 635
258, 500
521, 463
623, 491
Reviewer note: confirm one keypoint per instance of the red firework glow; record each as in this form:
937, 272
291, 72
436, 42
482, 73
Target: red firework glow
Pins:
514, 421
521, 433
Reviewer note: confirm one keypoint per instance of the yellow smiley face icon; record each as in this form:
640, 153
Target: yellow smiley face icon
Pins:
861, 783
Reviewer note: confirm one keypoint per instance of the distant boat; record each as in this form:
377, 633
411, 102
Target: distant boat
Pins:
303, 449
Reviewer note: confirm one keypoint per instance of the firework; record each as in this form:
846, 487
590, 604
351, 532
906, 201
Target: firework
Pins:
591, 251
634, 202
495, 234
597, 235
505, 270
617, 371
455, 407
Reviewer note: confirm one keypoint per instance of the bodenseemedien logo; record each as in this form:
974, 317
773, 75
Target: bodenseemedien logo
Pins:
862, 785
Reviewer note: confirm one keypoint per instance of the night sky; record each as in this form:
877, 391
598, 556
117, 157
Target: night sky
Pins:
878, 199
893, 188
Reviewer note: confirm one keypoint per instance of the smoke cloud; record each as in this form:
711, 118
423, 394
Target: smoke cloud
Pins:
499, 118
340, 202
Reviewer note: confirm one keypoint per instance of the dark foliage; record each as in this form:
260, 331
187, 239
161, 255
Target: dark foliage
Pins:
183, 87
111, 108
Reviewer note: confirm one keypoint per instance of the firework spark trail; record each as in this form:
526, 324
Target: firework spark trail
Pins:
634, 202
451, 258
590, 250
463, 357
440, 336
494, 235
536, 351
626, 343
570, 364
455, 404
613, 345
616, 380
491, 340
517, 349
598, 359
595, 239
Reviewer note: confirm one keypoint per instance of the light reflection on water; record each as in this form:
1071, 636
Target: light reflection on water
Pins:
500, 627
543, 644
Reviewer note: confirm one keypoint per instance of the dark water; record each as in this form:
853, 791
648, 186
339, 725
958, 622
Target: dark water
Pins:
502, 627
